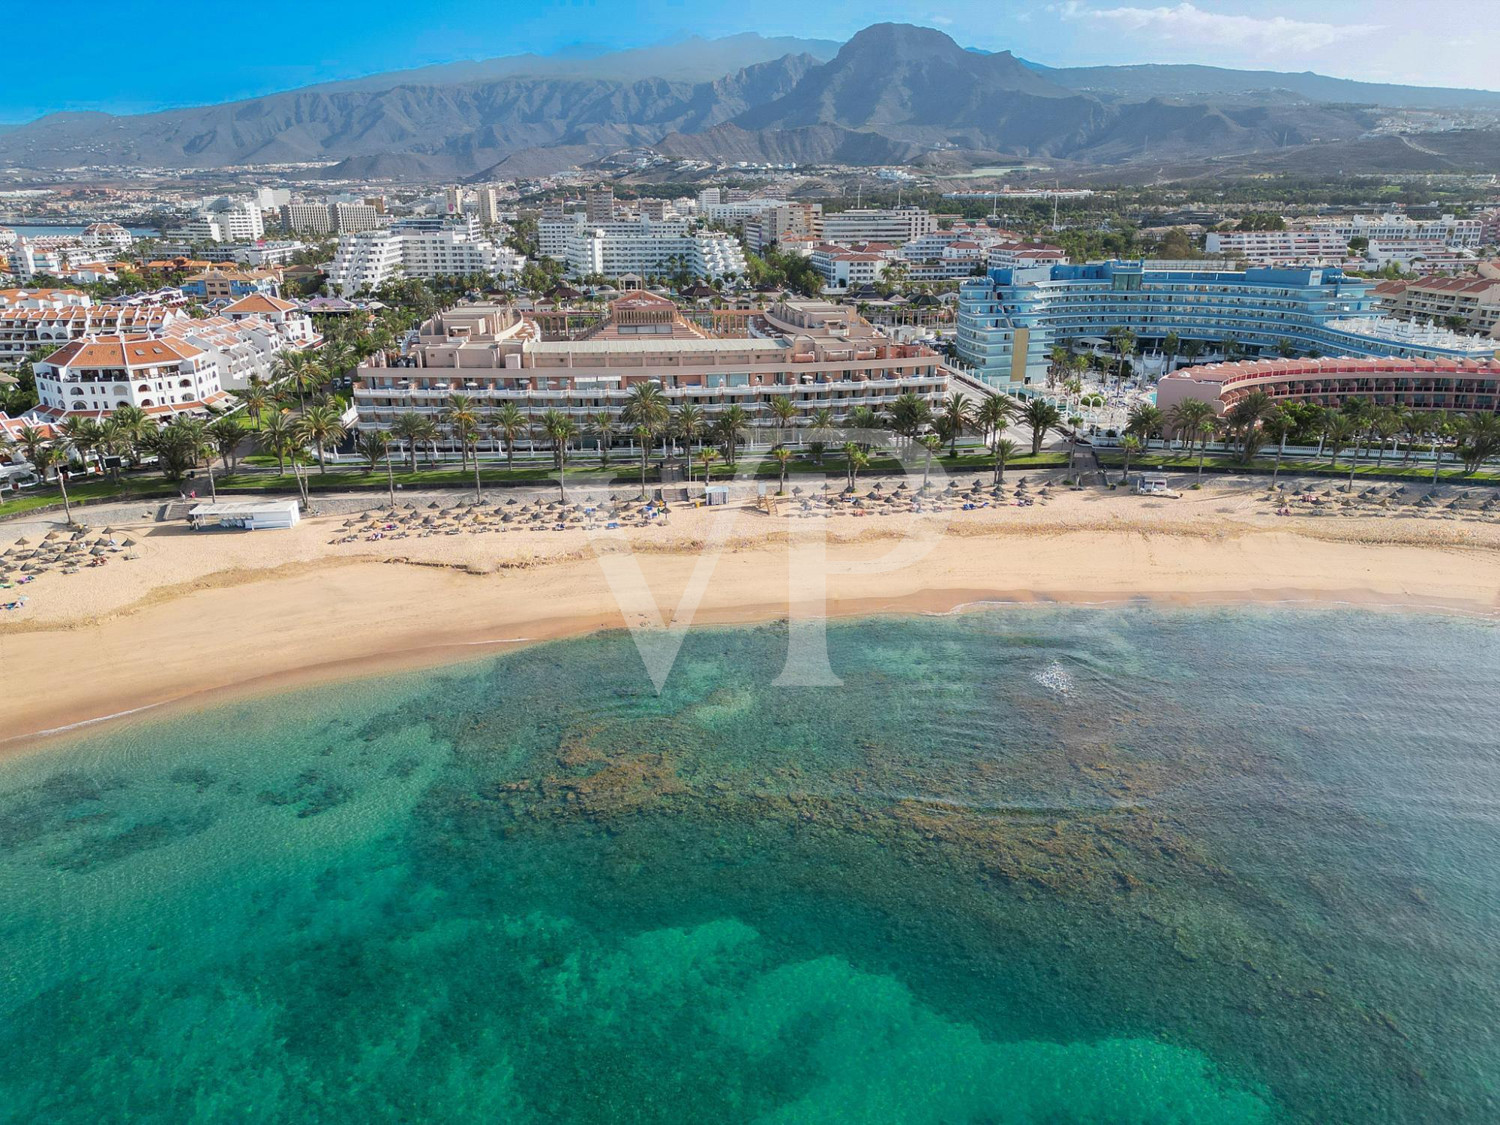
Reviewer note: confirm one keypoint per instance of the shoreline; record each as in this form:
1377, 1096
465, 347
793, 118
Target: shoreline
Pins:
202, 618
410, 653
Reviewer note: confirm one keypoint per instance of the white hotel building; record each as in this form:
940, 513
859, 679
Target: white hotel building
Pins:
642, 246
369, 259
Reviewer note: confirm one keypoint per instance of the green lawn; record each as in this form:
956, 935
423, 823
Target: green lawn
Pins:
622, 471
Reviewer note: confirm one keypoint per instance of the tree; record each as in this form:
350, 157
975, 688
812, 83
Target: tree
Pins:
783, 411
410, 429
256, 397
320, 425
1143, 421
1042, 417
510, 423
560, 430
709, 456
1338, 437
993, 415
820, 430
1277, 426
462, 420
278, 438
602, 427
687, 426
932, 443
1481, 440
646, 410
730, 430
226, 433
783, 458
372, 445
1004, 450
1246, 414
958, 411
1130, 446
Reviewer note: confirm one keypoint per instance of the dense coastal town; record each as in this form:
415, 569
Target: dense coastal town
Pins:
602, 566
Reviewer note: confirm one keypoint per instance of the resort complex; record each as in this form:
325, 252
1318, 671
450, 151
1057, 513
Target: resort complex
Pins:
1466, 386
1010, 319
812, 354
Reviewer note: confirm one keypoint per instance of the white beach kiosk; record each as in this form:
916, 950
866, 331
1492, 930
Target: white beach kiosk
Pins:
245, 515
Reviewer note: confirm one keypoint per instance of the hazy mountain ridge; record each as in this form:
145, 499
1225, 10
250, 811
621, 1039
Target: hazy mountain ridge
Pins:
892, 94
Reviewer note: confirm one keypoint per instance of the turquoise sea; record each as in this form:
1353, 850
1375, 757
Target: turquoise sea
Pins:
1031, 865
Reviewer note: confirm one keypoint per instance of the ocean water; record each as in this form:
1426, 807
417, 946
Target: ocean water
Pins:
1034, 865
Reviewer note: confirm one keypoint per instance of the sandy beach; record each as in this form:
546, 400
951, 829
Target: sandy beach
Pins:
199, 613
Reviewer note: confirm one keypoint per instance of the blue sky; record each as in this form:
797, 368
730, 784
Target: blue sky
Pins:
131, 56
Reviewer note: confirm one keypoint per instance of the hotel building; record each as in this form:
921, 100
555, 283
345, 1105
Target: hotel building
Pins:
642, 246
1420, 384
371, 258
1473, 300
38, 318
898, 225
813, 353
1009, 320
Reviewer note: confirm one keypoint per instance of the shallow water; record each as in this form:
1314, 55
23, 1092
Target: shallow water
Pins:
1025, 866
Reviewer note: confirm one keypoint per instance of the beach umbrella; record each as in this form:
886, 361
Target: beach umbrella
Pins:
434, 506
22, 541
98, 551
51, 535
128, 543
512, 502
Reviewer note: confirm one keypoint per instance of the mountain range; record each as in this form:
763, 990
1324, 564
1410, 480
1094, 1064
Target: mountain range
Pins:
893, 94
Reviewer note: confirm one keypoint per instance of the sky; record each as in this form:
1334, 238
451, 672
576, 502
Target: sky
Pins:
130, 56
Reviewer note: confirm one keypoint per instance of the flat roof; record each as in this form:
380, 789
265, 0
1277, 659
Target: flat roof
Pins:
662, 344
241, 507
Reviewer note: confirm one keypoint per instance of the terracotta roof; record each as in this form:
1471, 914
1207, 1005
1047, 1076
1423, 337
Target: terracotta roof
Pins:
122, 351
259, 303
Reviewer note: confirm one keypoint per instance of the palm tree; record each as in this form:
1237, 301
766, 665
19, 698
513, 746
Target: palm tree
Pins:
687, 425
256, 398
708, 457
510, 424
226, 433
1004, 449
1059, 362
1439, 426
278, 437
783, 458
1481, 440
1386, 425
602, 427
958, 412
560, 430
993, 415
910, 415
820, 429
411, 428
647, 412
319, 425
1246, 414
932, 444
858, 460
1277, 426
134, 423
1129, 446
1143, 421
1187, 418
372, 445
1041, 416
462, 419
1171, 344
82, 436
783, 411
1339, 435
115, 444
33, 443
730, 428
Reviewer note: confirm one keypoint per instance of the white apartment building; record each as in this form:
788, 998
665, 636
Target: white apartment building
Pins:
309, 218
159, 374
489, 206
841, 267
899, 225
371, 258
239, 222
278, 253
351, 218
649, 248
26, 259
781, 222
1325, 241
107, 236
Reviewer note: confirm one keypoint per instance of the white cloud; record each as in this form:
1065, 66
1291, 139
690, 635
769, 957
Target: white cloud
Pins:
1188, 23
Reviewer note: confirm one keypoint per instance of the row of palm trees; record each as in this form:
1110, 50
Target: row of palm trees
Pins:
1358, 425
648, 421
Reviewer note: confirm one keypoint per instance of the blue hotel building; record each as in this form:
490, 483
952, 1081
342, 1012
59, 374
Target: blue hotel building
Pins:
1009, 320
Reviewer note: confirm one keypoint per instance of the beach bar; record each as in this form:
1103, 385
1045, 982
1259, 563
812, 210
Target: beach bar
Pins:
245, 515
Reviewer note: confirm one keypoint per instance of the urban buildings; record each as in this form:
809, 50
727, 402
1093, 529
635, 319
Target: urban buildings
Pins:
841, 267
1009, 320
40, 318
159, 374
641, 246
782, 221
813, 353
898, 225
1419, 384
436, 248
1378, 239
1471, 304
330, 218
